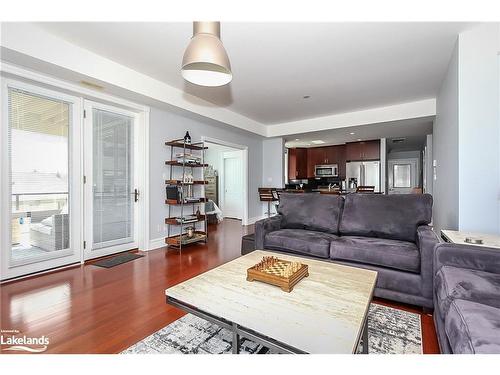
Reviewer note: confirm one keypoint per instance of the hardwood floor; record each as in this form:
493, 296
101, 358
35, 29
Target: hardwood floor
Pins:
88, 309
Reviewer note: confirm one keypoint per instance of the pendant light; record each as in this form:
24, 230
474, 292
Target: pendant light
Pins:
205, 60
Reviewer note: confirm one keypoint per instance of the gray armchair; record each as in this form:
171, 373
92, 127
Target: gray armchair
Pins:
467, 298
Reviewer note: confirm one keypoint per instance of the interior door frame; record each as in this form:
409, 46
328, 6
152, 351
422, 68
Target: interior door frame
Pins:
89, 106
224, 156
58, 258
414, 164
244, 161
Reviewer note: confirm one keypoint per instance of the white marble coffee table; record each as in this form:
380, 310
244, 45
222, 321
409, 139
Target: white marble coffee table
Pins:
325, 313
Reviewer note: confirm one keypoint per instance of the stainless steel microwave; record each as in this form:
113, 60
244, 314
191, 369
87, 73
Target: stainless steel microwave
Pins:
326, 170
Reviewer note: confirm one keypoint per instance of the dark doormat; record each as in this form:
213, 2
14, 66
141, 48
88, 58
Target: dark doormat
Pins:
116, 260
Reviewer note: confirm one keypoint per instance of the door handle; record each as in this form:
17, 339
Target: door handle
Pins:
136, 195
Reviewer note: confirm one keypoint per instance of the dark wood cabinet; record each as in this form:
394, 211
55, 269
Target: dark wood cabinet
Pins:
331, 155
371, 150
301, 161
365, 150
297, 163
341, 160
326, 155
353, 151
314, 157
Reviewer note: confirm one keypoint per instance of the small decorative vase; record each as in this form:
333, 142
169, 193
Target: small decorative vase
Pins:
190, 232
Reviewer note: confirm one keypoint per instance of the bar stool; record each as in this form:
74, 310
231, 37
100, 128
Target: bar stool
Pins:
268, 195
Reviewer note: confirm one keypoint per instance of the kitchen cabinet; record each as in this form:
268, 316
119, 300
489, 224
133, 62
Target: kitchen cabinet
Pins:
365, 150
315, 156
297, 163
331, 155
341, 159
326, 155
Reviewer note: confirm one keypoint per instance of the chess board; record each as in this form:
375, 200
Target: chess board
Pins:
278, 272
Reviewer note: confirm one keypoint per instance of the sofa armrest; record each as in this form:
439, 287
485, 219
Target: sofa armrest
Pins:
426, 241
467, 256
265, 226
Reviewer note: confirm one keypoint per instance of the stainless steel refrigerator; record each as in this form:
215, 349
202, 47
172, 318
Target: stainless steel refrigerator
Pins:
365, 173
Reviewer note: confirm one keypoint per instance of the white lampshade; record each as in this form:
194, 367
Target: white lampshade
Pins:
205, 60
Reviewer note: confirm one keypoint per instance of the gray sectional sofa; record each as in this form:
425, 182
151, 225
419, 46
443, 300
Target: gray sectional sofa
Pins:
386, 233
467, 298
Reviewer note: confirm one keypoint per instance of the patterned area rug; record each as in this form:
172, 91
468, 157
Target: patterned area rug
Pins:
390, 331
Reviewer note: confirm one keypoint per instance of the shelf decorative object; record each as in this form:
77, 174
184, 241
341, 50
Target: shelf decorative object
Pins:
186, 194
187, 138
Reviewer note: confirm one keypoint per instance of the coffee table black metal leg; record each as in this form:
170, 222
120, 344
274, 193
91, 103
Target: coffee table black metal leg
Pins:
365, 338
236, 340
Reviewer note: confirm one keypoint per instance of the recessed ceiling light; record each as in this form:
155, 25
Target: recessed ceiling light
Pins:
306, 96
318, 142
351, 133
359, 139
297, 139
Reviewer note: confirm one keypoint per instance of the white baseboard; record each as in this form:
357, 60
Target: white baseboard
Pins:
157, 243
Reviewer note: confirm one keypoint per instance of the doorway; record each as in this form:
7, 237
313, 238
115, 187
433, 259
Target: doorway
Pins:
232, 184
403, 175
72, 171
229, 163
110, 182
41, 193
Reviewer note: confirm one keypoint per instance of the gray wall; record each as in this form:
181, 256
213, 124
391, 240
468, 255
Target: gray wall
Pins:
273, 162
170, 123
445, 150
466, 136
478, 129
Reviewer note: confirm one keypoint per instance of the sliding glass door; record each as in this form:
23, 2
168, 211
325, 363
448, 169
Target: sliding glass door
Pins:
40, 196
110, 189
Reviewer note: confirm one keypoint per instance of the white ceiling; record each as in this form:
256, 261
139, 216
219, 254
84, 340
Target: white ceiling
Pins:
414, 130
343, 66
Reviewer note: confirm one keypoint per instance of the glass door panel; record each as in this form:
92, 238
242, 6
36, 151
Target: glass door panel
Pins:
113, 179
39, 129
39, 151
110, 176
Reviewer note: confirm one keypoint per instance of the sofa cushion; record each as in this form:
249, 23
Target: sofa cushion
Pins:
401, 255
319, 212
394, 216
472, 327
300, 241
468, 284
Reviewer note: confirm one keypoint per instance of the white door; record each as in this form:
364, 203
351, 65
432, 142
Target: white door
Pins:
403, 175
40, 205
371, 176
111, 191
233, 185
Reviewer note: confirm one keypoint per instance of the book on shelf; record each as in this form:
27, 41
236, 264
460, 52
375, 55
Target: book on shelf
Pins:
187, 219
188, 158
